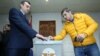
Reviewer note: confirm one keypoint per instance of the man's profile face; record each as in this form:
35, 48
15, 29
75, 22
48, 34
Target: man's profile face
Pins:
26, 7
66, 15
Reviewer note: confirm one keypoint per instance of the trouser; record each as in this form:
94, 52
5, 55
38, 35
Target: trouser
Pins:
90, 50
17, 51
1, 49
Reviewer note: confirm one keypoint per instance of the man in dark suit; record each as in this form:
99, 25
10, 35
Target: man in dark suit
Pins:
21, 34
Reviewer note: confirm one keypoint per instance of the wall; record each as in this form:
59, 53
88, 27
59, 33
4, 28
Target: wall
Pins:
3, 21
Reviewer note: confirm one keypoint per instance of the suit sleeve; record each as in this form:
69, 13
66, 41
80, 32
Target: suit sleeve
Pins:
16, 19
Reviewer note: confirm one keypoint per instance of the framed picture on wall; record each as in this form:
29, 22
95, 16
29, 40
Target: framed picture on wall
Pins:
47, 28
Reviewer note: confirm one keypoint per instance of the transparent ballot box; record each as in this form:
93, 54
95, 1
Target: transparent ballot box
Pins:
48, 48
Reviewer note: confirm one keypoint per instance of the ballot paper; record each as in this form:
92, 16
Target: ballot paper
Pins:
48, 38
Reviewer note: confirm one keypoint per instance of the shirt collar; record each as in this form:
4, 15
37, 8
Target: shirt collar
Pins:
22, 11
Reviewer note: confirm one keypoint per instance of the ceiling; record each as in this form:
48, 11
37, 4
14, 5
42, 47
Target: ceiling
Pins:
41, 6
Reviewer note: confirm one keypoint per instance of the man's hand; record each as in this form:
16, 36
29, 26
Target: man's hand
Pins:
80, 37
41, 37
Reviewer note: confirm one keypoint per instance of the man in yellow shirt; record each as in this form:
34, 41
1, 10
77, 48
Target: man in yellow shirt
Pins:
81, 28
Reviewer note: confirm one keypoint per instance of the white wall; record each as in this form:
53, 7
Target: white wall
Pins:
67, 44
46, 16
3, 21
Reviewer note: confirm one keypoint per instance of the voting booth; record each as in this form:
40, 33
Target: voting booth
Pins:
48, 48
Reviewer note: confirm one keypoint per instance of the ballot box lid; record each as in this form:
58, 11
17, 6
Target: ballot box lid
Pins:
48, 42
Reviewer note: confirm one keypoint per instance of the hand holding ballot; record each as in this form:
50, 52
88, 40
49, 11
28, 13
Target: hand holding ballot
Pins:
51, 37
41, 37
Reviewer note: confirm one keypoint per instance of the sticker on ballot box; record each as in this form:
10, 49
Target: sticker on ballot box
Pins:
48, 52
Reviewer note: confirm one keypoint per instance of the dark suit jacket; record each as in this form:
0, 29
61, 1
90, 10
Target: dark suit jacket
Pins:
21, 34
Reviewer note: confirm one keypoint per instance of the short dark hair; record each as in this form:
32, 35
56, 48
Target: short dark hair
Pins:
65, 9
22, 2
